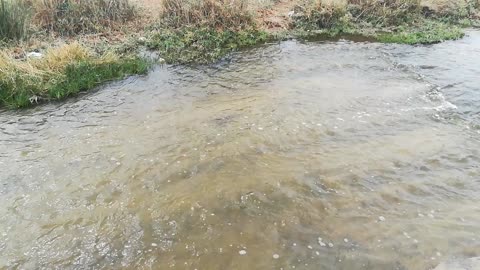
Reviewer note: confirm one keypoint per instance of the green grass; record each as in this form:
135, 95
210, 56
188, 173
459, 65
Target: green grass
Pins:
14, 17
429, 32
204, 45
393, 21
24, 90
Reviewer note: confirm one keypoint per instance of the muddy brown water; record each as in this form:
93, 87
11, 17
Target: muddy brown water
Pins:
305, 155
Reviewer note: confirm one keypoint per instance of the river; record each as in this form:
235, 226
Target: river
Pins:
305, 155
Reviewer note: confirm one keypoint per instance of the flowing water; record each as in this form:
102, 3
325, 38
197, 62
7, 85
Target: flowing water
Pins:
305, 155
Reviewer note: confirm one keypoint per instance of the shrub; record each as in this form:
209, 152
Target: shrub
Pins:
385, 12
14, 15
70, 17
217, 14
321, 15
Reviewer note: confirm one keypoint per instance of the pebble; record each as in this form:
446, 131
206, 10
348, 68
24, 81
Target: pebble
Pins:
345, 240
276, 256
309, 247
381, 218
154, 244
242, 252
330, 244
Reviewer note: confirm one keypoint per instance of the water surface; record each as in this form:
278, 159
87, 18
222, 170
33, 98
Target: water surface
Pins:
305, 155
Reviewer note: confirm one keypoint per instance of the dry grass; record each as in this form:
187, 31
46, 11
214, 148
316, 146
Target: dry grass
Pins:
325, 14
56, 59
71, 17
53, 63
10, 66
334, 13
61, 72
217, 14
386, 12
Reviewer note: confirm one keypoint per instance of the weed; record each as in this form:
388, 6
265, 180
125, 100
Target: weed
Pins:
216, 14
86, 75
386, 12
71, 17
192, 45
403, 20
324, 16
14, 19
428, 33
60, 73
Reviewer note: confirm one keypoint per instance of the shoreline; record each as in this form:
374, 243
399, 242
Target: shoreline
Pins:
53, 66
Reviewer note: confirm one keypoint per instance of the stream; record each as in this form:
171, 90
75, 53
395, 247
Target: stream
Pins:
293, 155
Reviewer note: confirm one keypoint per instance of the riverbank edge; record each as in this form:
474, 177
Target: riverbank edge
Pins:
193, 45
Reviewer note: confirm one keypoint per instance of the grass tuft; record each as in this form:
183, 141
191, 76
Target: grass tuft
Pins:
216, 14
14, 19
72, 17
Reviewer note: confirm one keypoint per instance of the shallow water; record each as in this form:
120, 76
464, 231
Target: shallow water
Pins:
244, 165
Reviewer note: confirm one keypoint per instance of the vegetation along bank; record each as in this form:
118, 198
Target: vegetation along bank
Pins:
52, 49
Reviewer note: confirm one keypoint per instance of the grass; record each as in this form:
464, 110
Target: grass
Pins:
187, 31
202, 45
62, 72
390, 21
429, 32
202, 31
215, 14
73, 17
14, 19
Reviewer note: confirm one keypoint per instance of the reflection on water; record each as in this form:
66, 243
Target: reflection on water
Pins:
333, 155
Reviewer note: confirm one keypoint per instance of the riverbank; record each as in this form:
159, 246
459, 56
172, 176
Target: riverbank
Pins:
51, 52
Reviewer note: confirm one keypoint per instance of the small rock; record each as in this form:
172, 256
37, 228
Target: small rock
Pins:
330, 244
142, 40
345, 240
161, 61
276, 256
381, 218
154, 244
242, 252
